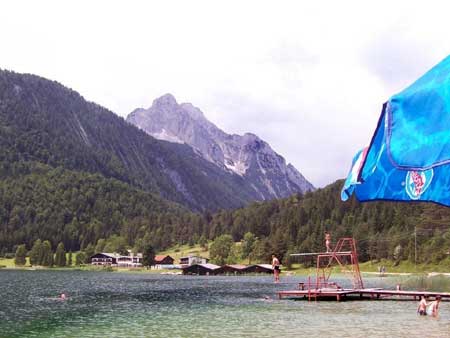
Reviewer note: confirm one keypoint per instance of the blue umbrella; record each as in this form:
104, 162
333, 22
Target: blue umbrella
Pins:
408, 158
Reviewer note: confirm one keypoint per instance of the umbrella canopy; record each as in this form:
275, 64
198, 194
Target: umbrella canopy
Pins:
408, 158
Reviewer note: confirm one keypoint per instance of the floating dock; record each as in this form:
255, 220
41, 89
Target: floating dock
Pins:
345, 256
344, 294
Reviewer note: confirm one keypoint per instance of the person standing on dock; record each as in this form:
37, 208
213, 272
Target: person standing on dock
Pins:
276, 268
422, 309
328, 241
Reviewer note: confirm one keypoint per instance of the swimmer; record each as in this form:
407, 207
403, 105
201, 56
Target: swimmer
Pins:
422, 309
433, 307
63, 296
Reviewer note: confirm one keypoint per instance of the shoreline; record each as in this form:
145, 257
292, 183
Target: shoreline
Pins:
286, 273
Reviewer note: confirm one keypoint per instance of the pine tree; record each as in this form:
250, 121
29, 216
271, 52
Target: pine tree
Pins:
88, 253
36, 253
203, 242
80, 258
148, 258
221, 248
47, 254
248, 244
100, 245
21, 253
60, 255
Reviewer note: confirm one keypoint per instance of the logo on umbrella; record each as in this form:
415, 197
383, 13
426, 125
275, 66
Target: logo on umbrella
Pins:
417, 182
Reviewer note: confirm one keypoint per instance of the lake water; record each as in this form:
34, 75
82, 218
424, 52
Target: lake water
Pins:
148, 305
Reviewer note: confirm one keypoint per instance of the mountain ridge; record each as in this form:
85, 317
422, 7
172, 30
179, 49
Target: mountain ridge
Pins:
43, 121
246, 155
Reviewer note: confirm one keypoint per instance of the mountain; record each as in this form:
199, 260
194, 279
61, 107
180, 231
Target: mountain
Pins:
265, 171
43, 121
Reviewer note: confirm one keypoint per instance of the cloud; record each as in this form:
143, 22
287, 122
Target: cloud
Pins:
308, 77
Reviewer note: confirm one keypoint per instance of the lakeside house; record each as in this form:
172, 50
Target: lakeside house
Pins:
259, 268
104, 258
202, 269
164, 262
192, 259
115, 259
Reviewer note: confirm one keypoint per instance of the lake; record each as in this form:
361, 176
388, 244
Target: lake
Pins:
105, 304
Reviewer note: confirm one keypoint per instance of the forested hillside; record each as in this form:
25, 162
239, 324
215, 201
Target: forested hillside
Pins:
78, 209
382, 229
43, 121
82, 210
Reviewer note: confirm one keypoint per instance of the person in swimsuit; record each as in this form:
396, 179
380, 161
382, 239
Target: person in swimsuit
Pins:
276, 268
328, 241
422, 309
434, 306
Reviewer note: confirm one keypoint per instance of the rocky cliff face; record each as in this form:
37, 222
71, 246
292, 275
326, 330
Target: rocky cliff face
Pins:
247, 155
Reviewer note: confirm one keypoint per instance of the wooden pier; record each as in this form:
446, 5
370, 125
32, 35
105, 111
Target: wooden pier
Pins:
374, 293
345, 256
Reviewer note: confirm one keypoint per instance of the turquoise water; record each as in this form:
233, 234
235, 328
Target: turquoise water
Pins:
144, 305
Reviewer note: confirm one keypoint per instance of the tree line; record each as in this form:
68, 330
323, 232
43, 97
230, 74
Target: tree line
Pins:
42, 254
88, 213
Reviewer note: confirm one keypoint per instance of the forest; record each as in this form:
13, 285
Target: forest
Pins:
87, 211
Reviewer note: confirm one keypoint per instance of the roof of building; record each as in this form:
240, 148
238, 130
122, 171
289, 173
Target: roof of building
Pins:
108, 254
116, 255
161, 257
236, 266
208, 266
267, 266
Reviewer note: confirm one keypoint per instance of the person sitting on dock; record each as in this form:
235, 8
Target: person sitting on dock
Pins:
328, 241
276, 268
422, 309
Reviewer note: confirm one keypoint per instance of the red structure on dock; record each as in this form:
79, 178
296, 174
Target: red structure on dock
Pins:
345, 256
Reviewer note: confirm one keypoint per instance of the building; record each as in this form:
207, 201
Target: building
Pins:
191, 260
259, 268
104, 258
202, 269
130, 261
163, 262
233, 269
115, 259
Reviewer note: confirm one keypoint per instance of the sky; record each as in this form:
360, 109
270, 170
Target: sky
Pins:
308, 77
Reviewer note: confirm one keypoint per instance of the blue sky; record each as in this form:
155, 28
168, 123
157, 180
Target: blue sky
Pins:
308, 77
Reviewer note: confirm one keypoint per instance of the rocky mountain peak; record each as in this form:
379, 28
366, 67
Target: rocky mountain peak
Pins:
166, 101
247, 155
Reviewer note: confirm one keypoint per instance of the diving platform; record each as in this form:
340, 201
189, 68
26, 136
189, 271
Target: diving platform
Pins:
344, 256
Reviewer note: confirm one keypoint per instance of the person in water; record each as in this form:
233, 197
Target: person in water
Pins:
422, 309
276, 268
434, 306
328, 241
62, 296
